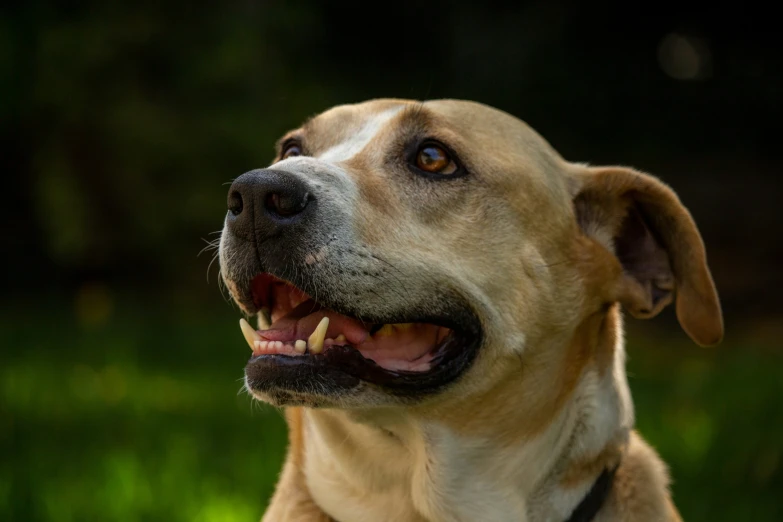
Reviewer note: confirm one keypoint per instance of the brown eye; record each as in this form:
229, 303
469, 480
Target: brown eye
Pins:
433, 158
290, 150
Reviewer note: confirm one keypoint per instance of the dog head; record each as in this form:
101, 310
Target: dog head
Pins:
446, 242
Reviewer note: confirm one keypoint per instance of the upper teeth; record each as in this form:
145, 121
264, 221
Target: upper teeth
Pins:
264, 322
315, 343
250, 334
316, 340
384, 330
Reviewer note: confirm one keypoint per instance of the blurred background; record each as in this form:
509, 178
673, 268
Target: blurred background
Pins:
120, 360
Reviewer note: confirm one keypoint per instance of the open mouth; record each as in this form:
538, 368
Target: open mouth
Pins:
296, 333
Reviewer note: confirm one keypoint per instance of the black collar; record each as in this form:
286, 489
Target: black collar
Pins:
595, 498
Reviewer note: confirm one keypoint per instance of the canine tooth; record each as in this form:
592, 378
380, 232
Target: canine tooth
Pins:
385, 330
340, 339
264, 321
316, 340
250, 335
300, 346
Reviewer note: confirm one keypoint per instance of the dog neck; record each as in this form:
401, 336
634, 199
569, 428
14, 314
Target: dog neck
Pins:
528, 449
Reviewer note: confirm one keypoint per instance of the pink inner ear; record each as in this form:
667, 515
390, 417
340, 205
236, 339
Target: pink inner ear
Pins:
644, 259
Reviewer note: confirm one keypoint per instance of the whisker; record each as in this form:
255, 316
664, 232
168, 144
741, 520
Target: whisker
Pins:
211, 245
214, 258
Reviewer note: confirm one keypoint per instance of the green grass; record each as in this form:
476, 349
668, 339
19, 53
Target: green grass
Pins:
138, 419
716, 417
135, 415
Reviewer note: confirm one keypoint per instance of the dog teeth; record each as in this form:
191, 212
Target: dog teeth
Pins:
316, 340
264, 321
300, 346
340, 339
384, 331
250, 334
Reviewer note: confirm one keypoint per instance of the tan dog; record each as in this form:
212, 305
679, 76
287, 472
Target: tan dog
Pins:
471, 363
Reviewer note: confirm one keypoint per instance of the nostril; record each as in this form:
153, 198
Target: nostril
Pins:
235, 204
286, 205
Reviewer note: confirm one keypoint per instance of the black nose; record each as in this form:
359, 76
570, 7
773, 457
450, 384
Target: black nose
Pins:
263, 202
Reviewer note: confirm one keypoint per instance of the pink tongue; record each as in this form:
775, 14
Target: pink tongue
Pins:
290, 329
408, 349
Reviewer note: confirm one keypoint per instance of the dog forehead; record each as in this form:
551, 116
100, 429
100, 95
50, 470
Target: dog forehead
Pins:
342, 131
355, 125
343, 122
496, 130
363, 132
505, 147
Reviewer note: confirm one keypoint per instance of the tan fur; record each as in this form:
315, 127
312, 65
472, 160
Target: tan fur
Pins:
520, 400
697, 304
540, 248
291, 501
640, 490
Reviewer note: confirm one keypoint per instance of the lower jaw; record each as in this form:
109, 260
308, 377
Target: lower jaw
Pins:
420, 363
341, 369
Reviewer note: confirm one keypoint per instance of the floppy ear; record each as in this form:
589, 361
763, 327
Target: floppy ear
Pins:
643, 224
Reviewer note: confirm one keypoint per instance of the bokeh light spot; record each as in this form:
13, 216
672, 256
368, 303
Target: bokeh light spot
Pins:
684, 57
93, 304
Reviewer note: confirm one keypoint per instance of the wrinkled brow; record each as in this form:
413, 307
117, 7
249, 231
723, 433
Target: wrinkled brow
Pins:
415, 116
294, 134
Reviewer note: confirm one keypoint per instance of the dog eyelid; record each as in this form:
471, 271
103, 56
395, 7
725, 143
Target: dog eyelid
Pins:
290, 148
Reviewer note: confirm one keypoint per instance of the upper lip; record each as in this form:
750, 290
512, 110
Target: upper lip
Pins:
259, 292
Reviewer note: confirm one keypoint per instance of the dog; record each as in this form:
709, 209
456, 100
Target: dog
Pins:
438, 296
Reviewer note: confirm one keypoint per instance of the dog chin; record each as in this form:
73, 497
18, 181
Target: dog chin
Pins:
362, 396
285, 398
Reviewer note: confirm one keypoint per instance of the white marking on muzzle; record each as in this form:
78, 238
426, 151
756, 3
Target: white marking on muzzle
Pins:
356, 143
